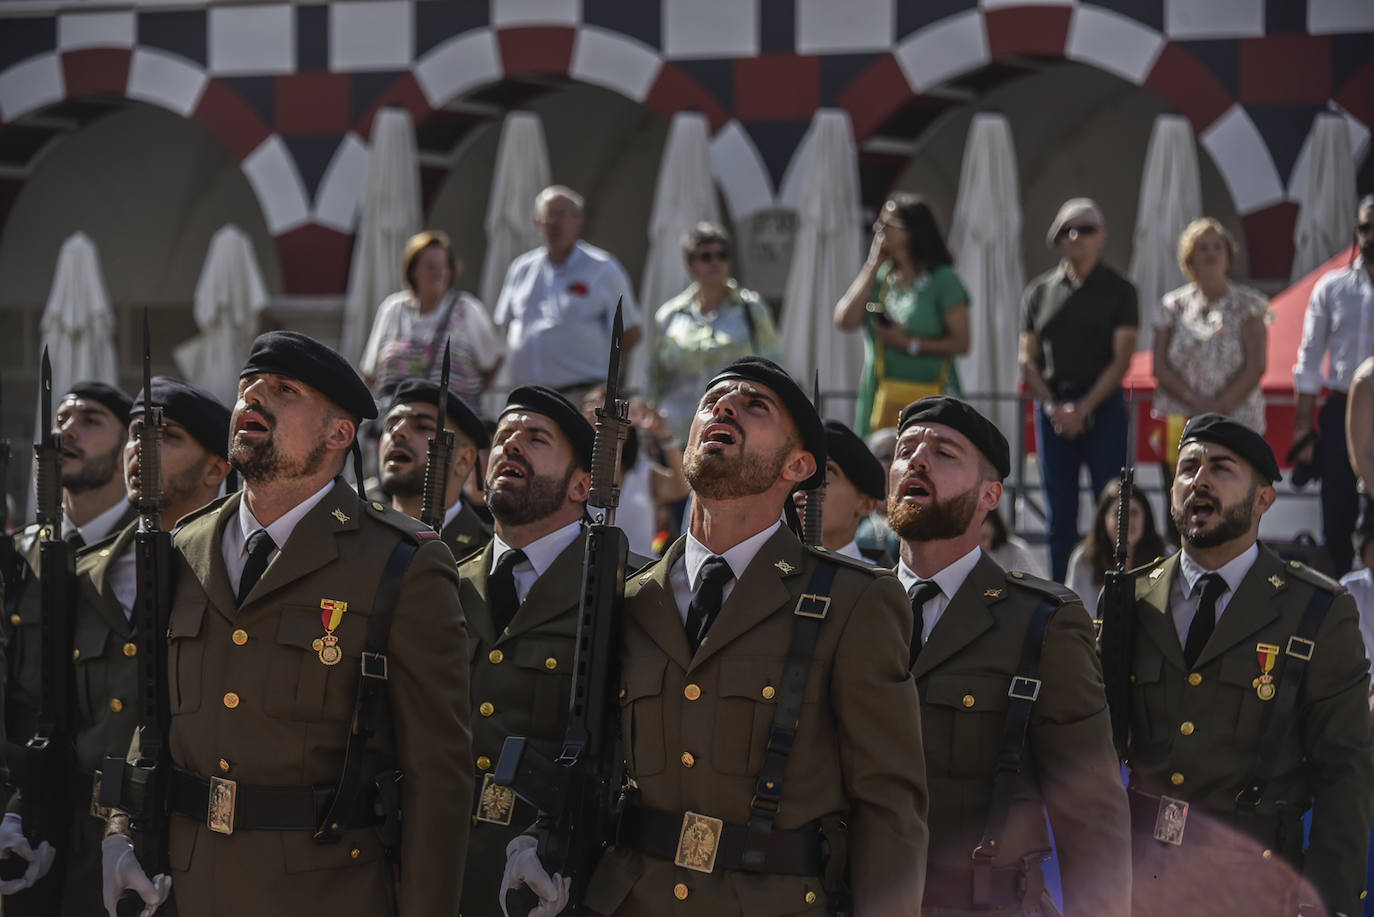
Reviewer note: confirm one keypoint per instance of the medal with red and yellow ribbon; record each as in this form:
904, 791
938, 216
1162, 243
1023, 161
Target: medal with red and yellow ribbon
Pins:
328, 645
1268, 654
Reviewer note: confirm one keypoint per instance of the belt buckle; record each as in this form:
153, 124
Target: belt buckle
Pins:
97, 810
811, 605
698, 842
1170, 821
496, 804
219, 815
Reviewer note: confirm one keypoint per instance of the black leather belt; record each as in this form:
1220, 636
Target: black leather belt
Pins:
242, 806
1216, 829
686, 837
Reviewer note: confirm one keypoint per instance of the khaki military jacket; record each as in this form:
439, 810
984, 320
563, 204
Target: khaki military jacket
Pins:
1069, 767
466, 534
1195, 731
253, 701
696, 729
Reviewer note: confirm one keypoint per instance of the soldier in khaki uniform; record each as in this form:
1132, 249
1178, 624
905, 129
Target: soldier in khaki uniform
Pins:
403, 459
194, 466
277, 593
706, 642
1228, 637
976, 624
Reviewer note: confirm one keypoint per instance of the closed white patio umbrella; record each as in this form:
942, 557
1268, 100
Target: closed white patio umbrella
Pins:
229, 299
1326, 205
522, 171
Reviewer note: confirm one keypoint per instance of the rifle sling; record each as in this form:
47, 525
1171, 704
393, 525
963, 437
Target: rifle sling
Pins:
1024, 689
371, 690
1299, 650
763, 808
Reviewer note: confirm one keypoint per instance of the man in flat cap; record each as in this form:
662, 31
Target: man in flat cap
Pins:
1012, 699
1078, 331
287, 594
194, 465
855, 484
766, 780
403, 459
1249, 706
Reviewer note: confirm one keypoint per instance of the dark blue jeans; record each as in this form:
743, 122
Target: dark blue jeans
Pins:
1340, 503
1102, 447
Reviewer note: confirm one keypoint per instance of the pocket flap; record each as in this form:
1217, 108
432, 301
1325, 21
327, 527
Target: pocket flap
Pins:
89, 643
186, 618
760, 679
546, 655
975, 693
301, 626
1148, 669
644, 678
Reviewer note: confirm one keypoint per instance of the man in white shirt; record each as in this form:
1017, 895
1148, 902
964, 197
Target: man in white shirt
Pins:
558, 302
1339, 324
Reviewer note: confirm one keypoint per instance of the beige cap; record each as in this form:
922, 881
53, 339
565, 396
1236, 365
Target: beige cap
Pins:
1074, 209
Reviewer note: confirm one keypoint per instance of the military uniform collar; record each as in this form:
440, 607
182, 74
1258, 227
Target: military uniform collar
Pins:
103, 525
543, 551
852, 551
452, 513
949, 579
281, 529
1233, 571
695, 554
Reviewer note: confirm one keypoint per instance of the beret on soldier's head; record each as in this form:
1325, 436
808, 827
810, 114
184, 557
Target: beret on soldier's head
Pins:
1236, 436
855, 459
964, 417
103, 394
423, 391
202, 414
798, 404
296, 356
540, 399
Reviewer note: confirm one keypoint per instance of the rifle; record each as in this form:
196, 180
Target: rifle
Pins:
50, 760
11, 564
139, 788
579, 794
440, 455
1117, 605
814, 504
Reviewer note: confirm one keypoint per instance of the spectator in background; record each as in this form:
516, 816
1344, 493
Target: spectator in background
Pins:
707, 326
874, 533
854, 482
1361, 585
1078, 331
1010, 551
408, 334
558, 302
1339, 324
1091, 557
913, 309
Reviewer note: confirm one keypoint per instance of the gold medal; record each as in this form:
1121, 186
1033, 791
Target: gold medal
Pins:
327, 646
330, 654
317, 644
1266, 690
1267, 654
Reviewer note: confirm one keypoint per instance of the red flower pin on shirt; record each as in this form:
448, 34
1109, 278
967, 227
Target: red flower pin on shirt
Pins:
578, 288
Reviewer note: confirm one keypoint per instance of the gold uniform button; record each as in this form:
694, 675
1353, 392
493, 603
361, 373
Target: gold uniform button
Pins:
116, 704
810, 897
1195, 679
768, 692
969, 700
495, 657
355, 853
223, 766
1132, 679
1364, 894
1186, 728
680, 892
1267, 854
240, 637
76, 654
15, 619
687, 759
622, 693
1176, 778
377, 506
486, 709
551, 663
231, 700
483, 763
691, 692
131, 649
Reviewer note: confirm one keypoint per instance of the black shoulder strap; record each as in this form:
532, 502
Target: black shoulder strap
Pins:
371, 690
806, 628
1299, 651
1024, 689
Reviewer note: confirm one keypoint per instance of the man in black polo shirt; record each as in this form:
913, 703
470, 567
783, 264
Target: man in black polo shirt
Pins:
1078, 331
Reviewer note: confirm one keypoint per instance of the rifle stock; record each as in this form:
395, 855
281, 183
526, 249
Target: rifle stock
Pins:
438, 458
1117, 608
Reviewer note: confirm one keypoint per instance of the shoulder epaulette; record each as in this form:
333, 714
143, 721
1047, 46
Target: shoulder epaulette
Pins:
846, 561
1146, 568
102, 543
203, 511
413, 528
1044, 587
1299, 570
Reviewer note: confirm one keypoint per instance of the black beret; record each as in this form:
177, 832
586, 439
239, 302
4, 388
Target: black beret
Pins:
296, 356
202, 414
797, 402
1236, 436
539, 399
965, 418
859, 464
107, 395
423, 391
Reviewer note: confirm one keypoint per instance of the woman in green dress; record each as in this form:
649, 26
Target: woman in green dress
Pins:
913, 309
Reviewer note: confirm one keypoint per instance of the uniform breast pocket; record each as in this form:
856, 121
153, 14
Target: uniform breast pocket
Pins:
750, 688
964, 716
91, 669
186, 654
547, 664
1147, 693
641, 715
302, 682
1238, 706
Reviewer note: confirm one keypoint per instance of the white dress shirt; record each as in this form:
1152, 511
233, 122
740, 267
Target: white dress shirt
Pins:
685, 576
234, 548
949, 580
1361, 586
852, 551
102, 526
1340, 318
1185, 594
539, 556
452, 513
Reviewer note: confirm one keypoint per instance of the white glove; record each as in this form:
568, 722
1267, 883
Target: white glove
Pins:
120, 870
14, 843
523, 868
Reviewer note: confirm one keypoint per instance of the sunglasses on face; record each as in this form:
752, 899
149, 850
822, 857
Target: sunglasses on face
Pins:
1076, 232
1362, 228
707, 257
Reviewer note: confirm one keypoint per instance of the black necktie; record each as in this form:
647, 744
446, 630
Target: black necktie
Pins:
74, 539
501, 595
705, 604
1205, 621
260, 548
921, 591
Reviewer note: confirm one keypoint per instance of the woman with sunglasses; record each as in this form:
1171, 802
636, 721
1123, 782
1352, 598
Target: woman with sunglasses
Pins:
913, 309
707, 326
